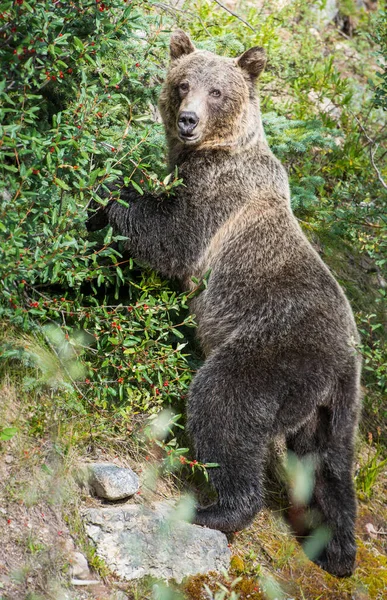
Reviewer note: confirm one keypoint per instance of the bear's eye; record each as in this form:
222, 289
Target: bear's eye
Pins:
184, 86
215, 93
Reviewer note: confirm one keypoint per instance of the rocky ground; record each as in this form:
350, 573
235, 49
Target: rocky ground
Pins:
77, 531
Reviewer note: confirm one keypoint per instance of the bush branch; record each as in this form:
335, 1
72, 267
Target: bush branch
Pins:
372, 155
235, 15
373, 149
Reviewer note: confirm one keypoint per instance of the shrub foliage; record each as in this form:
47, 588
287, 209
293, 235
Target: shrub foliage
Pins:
77, 103
78, 90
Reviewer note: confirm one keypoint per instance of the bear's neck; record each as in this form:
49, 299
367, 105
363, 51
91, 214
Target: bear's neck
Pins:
248, 133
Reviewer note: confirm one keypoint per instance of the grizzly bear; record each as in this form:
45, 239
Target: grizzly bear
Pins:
277, 330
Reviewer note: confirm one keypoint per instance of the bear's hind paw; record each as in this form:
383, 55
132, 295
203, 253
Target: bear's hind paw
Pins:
336, 560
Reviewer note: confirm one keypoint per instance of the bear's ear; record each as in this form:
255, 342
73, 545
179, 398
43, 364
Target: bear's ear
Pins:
253, 61
180, 44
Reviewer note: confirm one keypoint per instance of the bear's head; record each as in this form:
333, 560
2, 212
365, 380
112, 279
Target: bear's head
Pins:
209, 100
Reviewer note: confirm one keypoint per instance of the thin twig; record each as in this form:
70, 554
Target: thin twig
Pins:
60, 203
374, 145
235, 15
169, 8
367, 224
372, 155
344, 35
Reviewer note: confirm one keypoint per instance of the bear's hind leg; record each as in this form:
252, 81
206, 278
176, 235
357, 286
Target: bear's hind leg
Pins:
230, 413
332, 510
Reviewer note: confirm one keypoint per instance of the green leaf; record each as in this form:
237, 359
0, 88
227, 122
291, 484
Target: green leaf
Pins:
62, 184
8, 433
78, 44
137, 187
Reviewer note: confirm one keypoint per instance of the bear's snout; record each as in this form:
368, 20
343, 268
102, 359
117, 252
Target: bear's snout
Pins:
187, 122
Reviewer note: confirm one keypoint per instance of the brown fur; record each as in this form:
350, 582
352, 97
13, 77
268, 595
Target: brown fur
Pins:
276, 328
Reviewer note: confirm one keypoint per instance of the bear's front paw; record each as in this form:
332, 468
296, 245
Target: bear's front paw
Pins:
214, 518
222, 518
97, 217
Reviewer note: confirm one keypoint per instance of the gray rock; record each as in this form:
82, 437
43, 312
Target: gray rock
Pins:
119, 595
325, 105
136, 540
79, 566
111, 482
326, 11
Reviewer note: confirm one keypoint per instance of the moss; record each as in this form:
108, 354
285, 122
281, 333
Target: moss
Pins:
372, 571
193, 588
248, 588
237, 564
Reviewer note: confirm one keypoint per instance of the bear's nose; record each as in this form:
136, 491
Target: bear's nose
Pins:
187, 122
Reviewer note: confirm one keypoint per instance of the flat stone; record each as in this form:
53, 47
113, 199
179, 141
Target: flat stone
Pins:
136, 540
111, 482
84, 582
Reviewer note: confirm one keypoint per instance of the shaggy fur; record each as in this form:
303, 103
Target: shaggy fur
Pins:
276, 328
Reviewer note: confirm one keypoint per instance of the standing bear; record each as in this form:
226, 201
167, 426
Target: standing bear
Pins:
276, 328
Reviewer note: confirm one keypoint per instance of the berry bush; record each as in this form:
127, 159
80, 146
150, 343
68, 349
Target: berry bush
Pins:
79, 90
